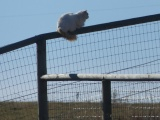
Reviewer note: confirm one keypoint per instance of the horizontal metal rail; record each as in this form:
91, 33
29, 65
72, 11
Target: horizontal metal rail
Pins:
83, 30
100, 77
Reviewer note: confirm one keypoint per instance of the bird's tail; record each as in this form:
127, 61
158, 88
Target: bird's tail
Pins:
67, 35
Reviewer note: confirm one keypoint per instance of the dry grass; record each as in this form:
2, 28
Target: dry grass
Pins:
79, 111
18, 111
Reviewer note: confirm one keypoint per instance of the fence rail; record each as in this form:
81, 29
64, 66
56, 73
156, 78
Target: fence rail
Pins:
100, 27
100, 77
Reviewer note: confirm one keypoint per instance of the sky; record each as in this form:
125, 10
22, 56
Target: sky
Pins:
21, 19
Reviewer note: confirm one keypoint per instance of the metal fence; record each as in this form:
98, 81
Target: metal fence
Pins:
123, 47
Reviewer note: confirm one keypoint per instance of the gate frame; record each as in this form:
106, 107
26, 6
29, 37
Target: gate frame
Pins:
106, 84
40, 40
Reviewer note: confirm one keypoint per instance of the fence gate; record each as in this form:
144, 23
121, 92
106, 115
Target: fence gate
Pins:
110, 72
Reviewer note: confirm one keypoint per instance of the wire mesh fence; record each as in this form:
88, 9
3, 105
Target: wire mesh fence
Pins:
125, 50
83, 100
75, 100
135, 100
18, 84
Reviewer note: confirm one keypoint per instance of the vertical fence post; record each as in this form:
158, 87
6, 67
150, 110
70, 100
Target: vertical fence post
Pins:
42, 85
107, 108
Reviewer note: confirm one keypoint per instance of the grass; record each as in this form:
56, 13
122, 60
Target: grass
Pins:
79, 111
18, 111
